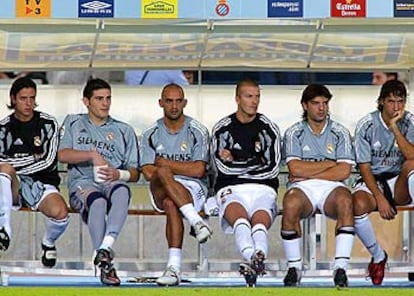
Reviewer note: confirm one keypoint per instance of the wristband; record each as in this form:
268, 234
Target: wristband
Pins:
124, 175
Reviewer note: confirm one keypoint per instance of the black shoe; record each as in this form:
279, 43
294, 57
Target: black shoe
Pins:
4, 239
103, 258
109, 276
292, 277
249, 274
340, 278
49, 256
258, 262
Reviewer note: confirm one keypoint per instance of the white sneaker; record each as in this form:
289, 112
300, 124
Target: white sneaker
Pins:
202, 232
170, 277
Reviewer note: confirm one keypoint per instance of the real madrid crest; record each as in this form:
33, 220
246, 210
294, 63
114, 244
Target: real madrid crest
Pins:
184, 146
330, 148
109, 136
257, 146
36, 141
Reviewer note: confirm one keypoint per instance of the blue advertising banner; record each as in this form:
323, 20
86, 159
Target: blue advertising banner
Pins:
285, 8
102, 8
403, 8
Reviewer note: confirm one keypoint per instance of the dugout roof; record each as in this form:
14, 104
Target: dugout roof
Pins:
330, 44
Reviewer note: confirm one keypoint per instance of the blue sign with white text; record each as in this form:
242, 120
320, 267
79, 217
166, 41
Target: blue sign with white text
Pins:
403, 8
285, 8
95, 8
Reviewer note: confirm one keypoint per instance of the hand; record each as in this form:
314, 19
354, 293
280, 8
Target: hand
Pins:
397, 116
97, 159
161, 161
292, 178
225, 155
384, 208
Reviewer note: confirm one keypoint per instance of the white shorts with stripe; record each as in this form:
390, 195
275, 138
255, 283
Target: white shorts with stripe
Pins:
253, 197
195, 189
363, 187
317, 191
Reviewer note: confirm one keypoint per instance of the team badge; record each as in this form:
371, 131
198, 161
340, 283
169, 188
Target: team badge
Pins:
36, 141
330, 148
109, 136
184, 146
257, 146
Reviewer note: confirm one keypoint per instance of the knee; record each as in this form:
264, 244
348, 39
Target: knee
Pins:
344, 200
169, 205
359, 204
59, 211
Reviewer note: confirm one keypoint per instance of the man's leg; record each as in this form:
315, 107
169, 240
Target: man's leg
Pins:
404, 185
117, 215
338, 205
54, 208
164, 185
174, 232
364, 203
261, 222
9, 189
295, 206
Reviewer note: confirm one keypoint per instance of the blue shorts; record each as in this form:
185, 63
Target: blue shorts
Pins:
31, 193
83, 189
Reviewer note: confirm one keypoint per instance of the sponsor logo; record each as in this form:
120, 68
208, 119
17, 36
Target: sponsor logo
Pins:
377, 144
348, 8
33, 8
285, 8
403, 8
159, 9
222, 8
18, 142
306, 148
102, 8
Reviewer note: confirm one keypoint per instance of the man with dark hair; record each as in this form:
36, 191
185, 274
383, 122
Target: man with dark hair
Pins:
246, 153
174, 156
319, 157
28, 167
102, 156
384, 146
379, 78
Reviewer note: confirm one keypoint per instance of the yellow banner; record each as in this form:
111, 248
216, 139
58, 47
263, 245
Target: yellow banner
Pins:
159, 8
33, 8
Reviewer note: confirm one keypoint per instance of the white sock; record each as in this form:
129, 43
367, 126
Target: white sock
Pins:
54, 229
107, 242
174, 258
365, 232
292, 252
259, 235
190, 214
6, 202
344, 243
243, 236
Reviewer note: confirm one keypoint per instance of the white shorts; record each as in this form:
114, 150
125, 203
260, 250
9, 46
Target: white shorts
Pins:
253, 197
317, 191
363, 187
196, 191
